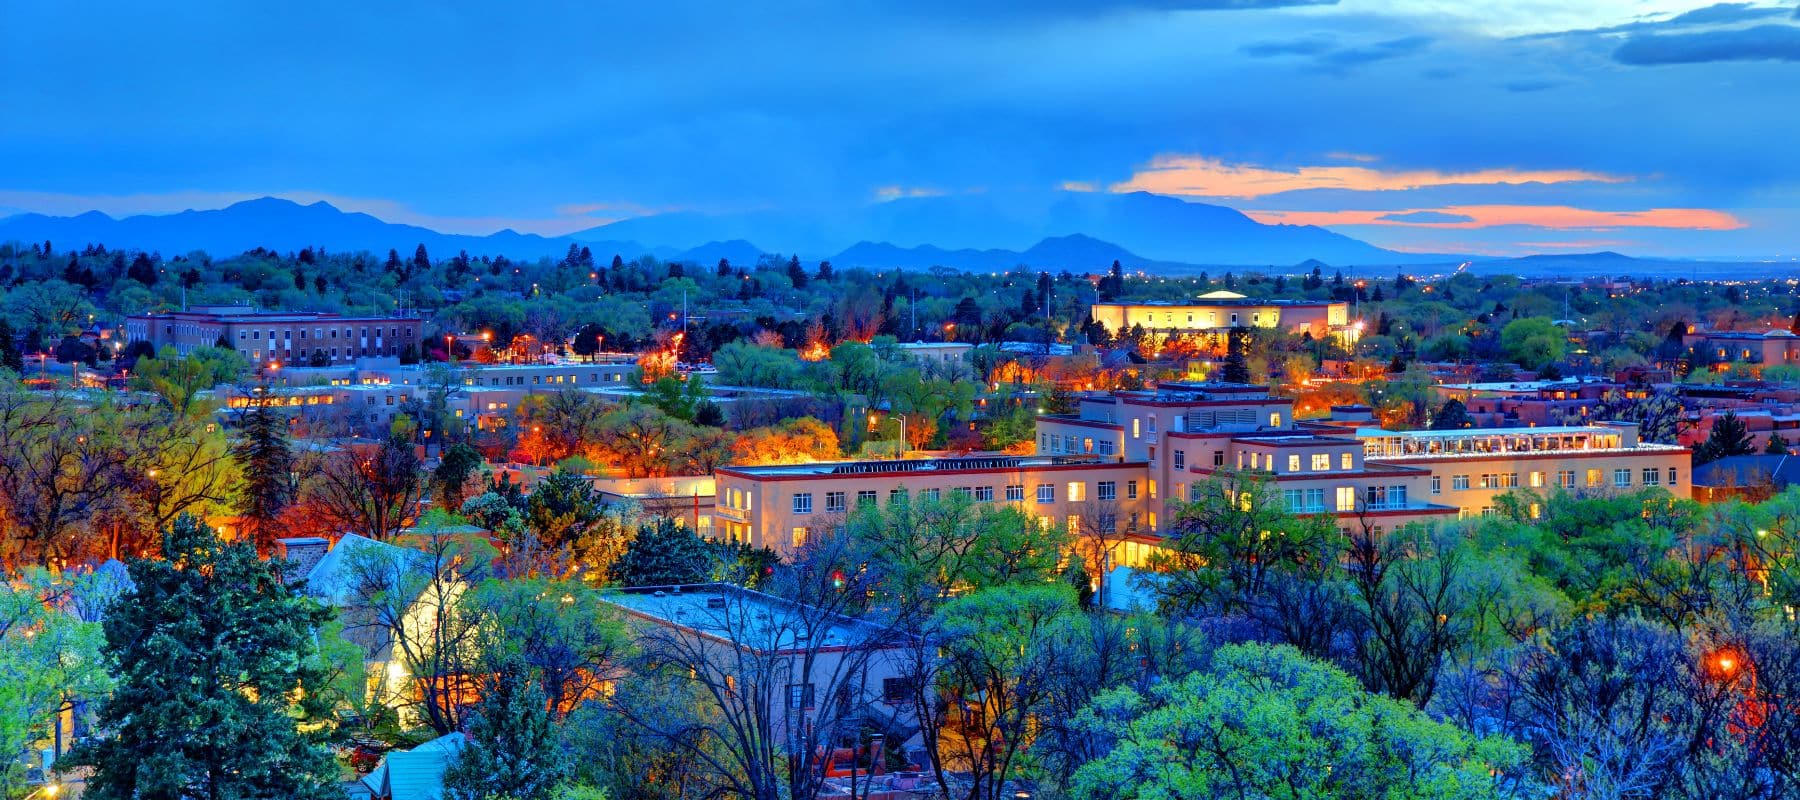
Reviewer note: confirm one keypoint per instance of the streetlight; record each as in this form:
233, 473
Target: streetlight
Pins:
49, 790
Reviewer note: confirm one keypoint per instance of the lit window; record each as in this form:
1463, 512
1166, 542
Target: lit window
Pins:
1077, 491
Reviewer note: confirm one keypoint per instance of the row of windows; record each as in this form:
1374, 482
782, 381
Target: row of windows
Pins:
837, 502
1067, 444
1621, 478
319, 333
519, 380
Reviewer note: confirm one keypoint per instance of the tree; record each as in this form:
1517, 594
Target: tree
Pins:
369, 491
177, 379
263, 453
1533, 342
709, 414
49, 654
664, 553
796, 273
1778, 446
512, 749
795, 441
562, 509
450, 480
1728, 437
10, 357
1264, 721
1450, 416
220, 692
1237, 366
1658, 415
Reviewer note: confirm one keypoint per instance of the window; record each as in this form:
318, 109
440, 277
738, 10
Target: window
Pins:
1275, 420
1015, 493
962, 491
1459, 482
898, 691
1218, 458
1107, 490
896, 494
803, 503
1069, 444
834, 502
799, 537
1346, 461
865, 497
1567, 479
1652, 477
1621, 478
1593, 478
1046, 493
1087, 444
1104, 447
1385, 496
931, 494
1672, 480
1321, 462
1077, 491
1293, 463
1437, 485
800, 696
1181, 459
1137, 429
1537, 480
1346, 498
984, 494
1131, 490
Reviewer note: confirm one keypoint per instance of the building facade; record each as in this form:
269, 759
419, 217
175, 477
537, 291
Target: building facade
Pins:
1217, 312
288, 337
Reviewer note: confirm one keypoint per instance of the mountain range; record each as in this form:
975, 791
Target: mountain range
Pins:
1067, 230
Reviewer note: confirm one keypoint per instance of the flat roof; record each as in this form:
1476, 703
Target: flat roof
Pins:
917, 466
742, 617
1556, 430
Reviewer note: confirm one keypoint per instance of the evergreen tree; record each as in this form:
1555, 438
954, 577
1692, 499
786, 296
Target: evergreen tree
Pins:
664, 553
1729, 437
1450, 416
512, 749
825, 271
796, 273
459, 464
10, 357
263, 452
421, 259
220, 687
710, 414
1778, 446
393, 261
1237, 367
724, 270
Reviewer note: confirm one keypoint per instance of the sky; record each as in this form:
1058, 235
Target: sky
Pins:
1651, 127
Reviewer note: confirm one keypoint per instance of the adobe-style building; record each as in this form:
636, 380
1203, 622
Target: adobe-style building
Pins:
1218, 312
283, 337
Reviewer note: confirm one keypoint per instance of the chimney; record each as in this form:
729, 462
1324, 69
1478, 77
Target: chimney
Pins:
302, 554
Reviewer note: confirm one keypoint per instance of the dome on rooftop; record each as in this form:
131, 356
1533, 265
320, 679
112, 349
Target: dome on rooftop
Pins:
1221, 295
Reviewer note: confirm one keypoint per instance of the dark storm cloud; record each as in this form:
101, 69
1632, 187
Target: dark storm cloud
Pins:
1760, 43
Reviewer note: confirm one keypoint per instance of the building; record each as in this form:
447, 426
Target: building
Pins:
1751, 478
1218, 312
1776, 346
1470, 468
936, 352
416, 774
781, 507
281, 337
685, 499
793, 657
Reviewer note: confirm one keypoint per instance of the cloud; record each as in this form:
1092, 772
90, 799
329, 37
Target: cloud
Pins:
1531, 84
1079, 186
1759, 43
1725, 14
886, 193
1425, 216
1209, 177
1310, 46
1487, 216
1379, 51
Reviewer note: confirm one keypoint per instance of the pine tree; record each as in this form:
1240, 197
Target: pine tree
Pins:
393, 261
724, 270
220, 687
512, 750
825, 272
1237, 367
1778, 446
421, 259
263, 452
10, 357
796, 273
1729, 437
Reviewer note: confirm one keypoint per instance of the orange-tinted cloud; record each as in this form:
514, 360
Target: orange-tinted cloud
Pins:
1210, 177
1487, 216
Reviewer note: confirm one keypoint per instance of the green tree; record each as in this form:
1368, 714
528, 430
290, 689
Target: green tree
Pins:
1450, 416
1264, 721
219, 691
450, 480
10, 357
1729, 437
1533, 342
1778, 446
177, 379
48, 655
512, 749
664, 553
264, 454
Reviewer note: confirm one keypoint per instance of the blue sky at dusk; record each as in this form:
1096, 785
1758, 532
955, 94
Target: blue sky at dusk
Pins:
1480, 126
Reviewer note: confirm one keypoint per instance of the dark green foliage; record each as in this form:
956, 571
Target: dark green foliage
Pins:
210, 648
665, 553
10, 357
562, 507
710, 414
512, 750
1450, 416
1728, 438
262, 451
1778, 446
1236, 368
458, 465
